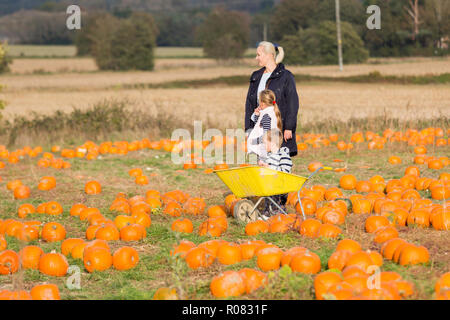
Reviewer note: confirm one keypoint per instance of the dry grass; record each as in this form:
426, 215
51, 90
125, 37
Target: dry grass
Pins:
100, 80
70, 65
389, 66
395, 67
224, 106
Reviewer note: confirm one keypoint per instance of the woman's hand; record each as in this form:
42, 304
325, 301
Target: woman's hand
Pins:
287, 135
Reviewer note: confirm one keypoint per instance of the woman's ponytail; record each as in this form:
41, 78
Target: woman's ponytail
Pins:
280, 55
276, 51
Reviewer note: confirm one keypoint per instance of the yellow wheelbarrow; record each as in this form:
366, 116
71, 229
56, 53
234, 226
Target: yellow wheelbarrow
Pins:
255, 181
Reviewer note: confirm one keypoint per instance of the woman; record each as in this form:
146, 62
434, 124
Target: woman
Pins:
275, 77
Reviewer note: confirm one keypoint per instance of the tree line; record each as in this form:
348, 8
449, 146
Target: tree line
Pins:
124, 39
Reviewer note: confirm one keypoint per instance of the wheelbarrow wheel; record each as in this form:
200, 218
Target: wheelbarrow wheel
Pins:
243, 211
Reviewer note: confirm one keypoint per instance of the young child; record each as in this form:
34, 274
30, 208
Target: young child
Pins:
266, 117
277, 159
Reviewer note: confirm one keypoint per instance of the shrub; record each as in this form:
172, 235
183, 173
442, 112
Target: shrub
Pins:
5, 60
124, 44
83, 38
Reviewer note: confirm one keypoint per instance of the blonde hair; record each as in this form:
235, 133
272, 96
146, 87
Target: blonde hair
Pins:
268, 98
274, 135
269, 48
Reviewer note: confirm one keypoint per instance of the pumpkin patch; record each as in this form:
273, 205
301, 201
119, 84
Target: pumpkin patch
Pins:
147, 219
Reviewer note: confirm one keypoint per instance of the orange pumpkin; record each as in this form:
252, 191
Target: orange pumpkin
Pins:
77, 208
269, 258
199, 258
22, 192
324, 281
97, 259
228, 284
183, 225
256, 227
413, 255
68, 244
132, 232
253, 279
248, 248
310, 227
338, 259
53, 208
125, 258
92, 187
182, 248
374, 222
53, 231
53, 264
45, 292
348, 244
47, 183
107, 232
229, 253
327, 230
348, 182
308, 263
30, 256
9, 262
25, 209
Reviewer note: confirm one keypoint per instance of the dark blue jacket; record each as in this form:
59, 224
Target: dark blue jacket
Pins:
282, 83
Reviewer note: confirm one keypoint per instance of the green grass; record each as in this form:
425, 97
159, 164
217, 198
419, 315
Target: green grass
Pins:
69, 51
158, 269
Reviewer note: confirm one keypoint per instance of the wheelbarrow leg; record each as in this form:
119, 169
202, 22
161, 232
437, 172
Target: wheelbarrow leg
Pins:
256, 205
276, 204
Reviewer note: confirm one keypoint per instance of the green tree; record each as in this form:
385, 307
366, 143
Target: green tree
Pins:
437, 20
291, 15
178, 28
318, 45
225, 34
36, 27
398, 36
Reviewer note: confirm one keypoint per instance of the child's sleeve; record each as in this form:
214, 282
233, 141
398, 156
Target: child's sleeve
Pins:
266, 122
254, 117
285, 163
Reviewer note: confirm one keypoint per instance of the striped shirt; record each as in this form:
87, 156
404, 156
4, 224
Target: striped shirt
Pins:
280, 161
265, 124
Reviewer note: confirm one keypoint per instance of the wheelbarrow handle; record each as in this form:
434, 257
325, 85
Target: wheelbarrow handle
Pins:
318, 169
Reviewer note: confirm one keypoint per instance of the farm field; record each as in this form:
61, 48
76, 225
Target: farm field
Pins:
140, 183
